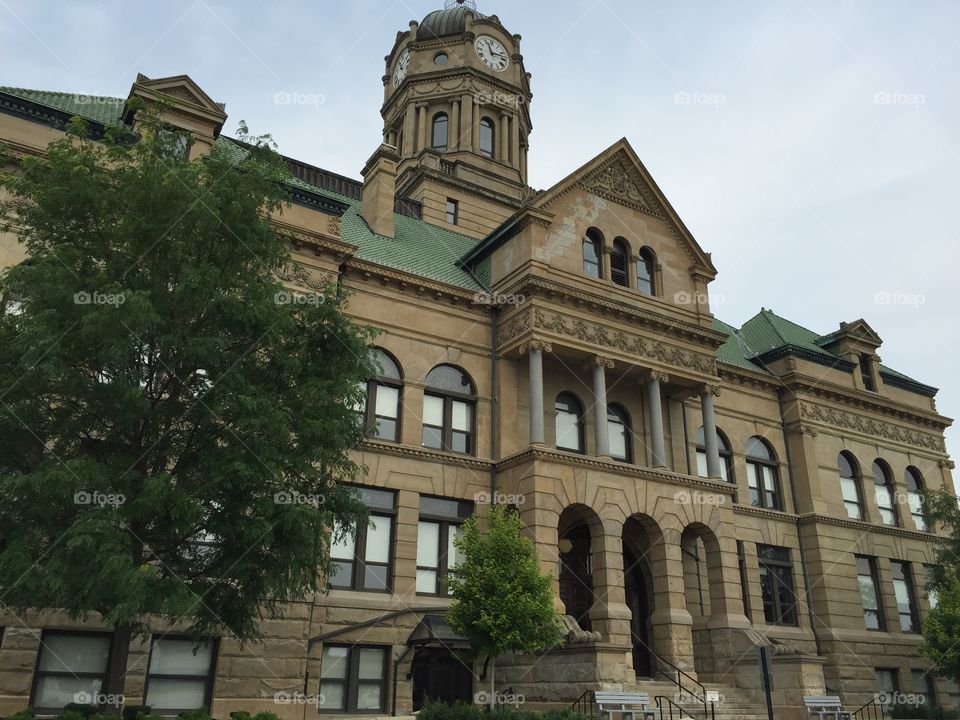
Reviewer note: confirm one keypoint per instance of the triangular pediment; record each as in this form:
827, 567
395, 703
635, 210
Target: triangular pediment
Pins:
618, 175
858, 330
179, 88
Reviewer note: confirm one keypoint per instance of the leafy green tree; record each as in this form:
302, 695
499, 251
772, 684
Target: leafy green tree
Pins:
941, 628
173, 422
502, 603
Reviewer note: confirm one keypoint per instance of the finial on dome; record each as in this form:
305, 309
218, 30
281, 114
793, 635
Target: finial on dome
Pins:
450, 4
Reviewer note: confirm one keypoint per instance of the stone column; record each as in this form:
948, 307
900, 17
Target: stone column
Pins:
515, 141
710, 430
609, 614
534, 351
658, 451
421, 127
475, 128
671, 621
409, 131
453, 132
503, 144
599, 367
466, 121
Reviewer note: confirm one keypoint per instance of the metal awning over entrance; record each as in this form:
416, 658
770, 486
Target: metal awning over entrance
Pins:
434, 631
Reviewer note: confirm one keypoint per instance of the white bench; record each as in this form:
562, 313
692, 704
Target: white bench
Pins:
825, 707
625, 703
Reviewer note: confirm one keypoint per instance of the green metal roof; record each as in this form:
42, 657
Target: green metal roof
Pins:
99, 108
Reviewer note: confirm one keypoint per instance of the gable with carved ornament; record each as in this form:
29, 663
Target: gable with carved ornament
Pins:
599, 335
868, 426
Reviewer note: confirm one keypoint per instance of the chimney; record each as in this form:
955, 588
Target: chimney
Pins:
379, 190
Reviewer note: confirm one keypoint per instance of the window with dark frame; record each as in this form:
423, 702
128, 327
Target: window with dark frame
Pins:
568, 423
179, 674
353, 678
726, 456
850, 486
363, 561
883, 491
619, 260
918, 506
645, 268
453, 211
869, 597
438, 527
383, 393
887, 684
449, 409
776, 585
592, 249
618, 432
923, 688
762, 475
440, 132
486, 137
866, 372
903, 590
68, 664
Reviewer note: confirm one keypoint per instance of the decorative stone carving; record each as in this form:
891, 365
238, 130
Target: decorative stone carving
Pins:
333, 225
575, 634
295, 273
599, 361
628, 343
617, 181
660, 377
535, 345
869, 426
514, 327
709, 389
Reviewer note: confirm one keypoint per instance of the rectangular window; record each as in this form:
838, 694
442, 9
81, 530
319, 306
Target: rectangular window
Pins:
928, 573
776, 585
180, 675
869, 599
866, 372
762, 481
439, 526
353, 678
887, 686
453, 211
363, 561
923, 688
850, 490
433, 422
903, 589
71, 668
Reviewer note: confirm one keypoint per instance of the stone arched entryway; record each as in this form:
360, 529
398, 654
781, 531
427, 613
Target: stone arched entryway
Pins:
575, 532
642, 551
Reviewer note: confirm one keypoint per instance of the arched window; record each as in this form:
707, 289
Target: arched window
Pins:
762, 475
726, 456
882, 485
850, 485
918, 508
592, 247
486, 137
569, 423
645, 268
439, 136
619, 259
449, 405
382, 408
618, 430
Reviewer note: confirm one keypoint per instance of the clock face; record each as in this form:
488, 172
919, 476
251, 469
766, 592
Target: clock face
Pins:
400, 71
491, 52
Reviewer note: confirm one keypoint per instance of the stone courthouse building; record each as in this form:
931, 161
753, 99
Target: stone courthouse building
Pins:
699, 491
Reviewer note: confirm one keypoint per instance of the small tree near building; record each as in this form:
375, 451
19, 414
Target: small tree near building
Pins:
502, 603
941, 627
174, 423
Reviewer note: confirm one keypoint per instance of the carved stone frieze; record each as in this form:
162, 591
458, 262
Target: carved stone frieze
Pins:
619, 181
604, 337
294, 272
869, 426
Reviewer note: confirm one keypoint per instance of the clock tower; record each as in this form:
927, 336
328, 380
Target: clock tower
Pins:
457, 111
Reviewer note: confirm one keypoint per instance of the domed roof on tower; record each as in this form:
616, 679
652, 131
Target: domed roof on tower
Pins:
452, 20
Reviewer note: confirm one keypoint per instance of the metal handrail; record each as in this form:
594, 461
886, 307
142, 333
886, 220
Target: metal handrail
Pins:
670, 705
585, 704
875, 711
708, 711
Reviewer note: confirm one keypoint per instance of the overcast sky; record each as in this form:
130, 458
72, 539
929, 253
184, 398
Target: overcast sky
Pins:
810, 146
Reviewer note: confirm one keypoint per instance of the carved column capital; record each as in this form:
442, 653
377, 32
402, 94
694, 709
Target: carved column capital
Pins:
599, 361
541, 345
659, 376
710, 389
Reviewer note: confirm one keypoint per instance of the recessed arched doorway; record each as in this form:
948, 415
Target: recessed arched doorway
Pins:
575, 573
639, 539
